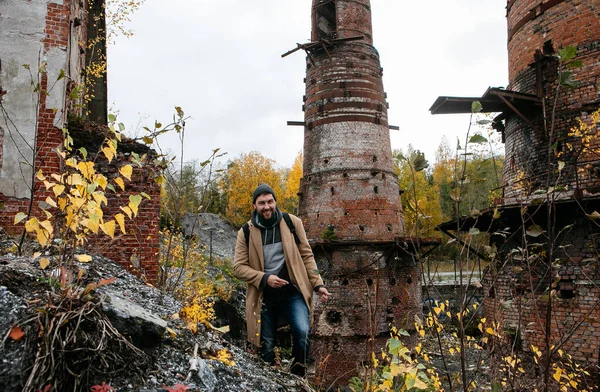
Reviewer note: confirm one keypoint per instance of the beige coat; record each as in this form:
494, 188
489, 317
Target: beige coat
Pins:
248, 265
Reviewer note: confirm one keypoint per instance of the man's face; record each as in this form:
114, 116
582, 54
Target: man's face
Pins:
265, 205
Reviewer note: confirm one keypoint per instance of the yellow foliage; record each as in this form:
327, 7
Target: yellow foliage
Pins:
289, 200
243, 176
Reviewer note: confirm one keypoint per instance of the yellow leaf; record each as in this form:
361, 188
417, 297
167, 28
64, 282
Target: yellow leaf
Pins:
90, 224
100, 198
51, 202
42, 237
36, 255
58, 190
557, 374
126, 210
44, 263
62, 203
83, 258
48, 184
32, 225
171, 332
120, 218
87, 169
101, 181
40, 176
71, 162
74, 179
47, 226
134, 202
120, 183
109, 153
57, 177
126, 171
109, 228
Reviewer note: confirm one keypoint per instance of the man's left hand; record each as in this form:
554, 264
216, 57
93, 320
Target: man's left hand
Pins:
323, 294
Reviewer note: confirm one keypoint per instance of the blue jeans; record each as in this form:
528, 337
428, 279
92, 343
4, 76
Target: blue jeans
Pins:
291, 308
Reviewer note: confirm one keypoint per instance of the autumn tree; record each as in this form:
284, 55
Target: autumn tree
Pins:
243, 175
420, 197
289, 200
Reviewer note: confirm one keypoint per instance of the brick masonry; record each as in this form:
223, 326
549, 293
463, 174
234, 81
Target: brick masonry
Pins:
517, 296
63, 41
349, 196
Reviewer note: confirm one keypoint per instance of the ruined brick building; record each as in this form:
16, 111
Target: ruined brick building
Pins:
550, 175
349, 194
56, 33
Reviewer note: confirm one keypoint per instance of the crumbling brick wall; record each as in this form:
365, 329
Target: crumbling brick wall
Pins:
518, 296
546, 27
56, 32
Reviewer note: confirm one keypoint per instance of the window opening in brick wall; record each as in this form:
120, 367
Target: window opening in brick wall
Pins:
492, 292
332, 191
409, 280
361, 227
325, 20
345, 282
566, 289
369, 282
326, 161
375, 189
334, 317
374, 158
392, 282
389, 226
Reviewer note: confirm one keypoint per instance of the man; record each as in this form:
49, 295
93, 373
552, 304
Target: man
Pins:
276, 261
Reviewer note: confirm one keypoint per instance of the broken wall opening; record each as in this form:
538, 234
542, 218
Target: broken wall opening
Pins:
326, 20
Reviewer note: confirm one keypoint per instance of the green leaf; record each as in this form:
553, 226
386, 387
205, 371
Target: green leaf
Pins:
484, 122
565, 79
575, 64
112, 118
19, 217
534, 231
61, 75
26, 66
476, 107
567, 53
477, 139
121, 127
83, 152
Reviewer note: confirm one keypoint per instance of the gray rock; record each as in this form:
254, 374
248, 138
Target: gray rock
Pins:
12, 309
144, 328
205, 225
205, 377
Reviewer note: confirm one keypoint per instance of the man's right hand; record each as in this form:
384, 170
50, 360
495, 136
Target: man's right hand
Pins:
276, 282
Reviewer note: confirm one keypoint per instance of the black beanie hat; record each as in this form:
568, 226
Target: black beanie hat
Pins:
261, 190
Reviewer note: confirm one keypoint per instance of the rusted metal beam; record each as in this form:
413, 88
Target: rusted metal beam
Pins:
517, 112
296, 123
394, 127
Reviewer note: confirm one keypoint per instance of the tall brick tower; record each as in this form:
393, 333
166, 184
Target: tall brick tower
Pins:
349, 194
544, 156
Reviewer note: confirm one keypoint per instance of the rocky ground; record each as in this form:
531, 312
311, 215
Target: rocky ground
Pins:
124, 333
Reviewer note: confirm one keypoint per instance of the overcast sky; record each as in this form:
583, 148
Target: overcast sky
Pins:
220, 60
